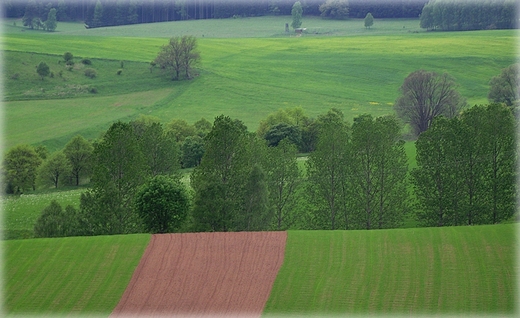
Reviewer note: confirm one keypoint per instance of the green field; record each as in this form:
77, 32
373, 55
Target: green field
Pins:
426, 271
243, 75
429, 271
69, 276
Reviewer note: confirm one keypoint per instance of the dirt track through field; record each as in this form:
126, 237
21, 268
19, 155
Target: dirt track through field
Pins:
204, 274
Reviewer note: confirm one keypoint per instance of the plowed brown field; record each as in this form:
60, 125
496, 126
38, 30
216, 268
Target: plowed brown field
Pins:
204, 274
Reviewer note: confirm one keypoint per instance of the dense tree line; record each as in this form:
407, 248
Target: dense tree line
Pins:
356, 178
457, 15
118, 12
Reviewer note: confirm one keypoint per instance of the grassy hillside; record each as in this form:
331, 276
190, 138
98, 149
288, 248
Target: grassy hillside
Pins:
67, 276
240, 76
454, 270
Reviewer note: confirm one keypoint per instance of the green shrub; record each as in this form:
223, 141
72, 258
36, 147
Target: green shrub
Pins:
67, 56
119, 71
86, 61
93, 90
69, 63
90, 73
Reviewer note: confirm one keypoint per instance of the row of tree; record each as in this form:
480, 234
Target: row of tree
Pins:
357, 178
456, 15
119, 12
26, 167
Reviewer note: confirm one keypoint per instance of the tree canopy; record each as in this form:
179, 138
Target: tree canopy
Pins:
426, 95
179, 56
504, 88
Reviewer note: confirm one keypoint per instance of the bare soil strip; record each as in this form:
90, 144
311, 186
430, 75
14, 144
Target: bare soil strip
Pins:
204, 274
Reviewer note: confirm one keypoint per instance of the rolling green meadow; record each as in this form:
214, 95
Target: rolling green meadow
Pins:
249, 68
245, 76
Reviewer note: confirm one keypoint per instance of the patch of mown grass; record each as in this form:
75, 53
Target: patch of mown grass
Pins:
53, 123
69, 276
430, 271
23, 83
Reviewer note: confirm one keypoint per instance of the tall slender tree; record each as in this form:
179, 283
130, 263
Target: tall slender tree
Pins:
378, 194
283, 178
326, 172
218, 181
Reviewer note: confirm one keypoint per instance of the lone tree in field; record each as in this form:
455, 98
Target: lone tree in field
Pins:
296, 12
369, 20
43, 70
179, 56
426, 95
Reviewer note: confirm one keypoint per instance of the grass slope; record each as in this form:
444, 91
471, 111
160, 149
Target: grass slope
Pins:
243, 77
69, 276
453, 270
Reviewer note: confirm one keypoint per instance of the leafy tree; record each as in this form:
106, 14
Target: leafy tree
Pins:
326, 171
158, 147
67, 56
435, 179
369, 20
50, 23
97, 21
282, 131
426, 19
425, 95
218, 181
42, 151
256, 215
21, 163
378, 169
180, 129
335, 9
296, 12
61, 12
504, 87
192, 151
79, 153
43, 70
283, 178
189, 54
495, 131
119, 169
203, 127
54, 169
162, 203
178, 56
290, 122
31, 13
54, 222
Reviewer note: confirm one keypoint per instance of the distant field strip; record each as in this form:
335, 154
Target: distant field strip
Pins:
454, 270
208, 274
69, 276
